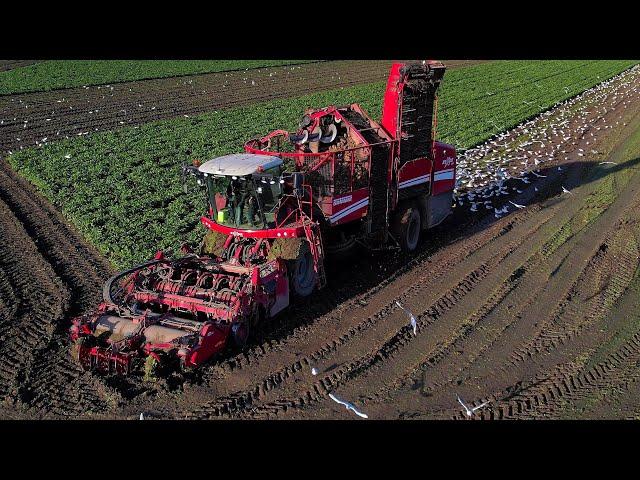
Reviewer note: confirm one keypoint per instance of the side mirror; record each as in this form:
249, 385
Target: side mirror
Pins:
190, 170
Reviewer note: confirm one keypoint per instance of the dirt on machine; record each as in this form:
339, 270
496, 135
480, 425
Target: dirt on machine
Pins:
275, 214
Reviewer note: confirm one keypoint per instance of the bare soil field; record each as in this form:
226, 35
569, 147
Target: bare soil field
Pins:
29, 119
536, 311
11, 64
47, 274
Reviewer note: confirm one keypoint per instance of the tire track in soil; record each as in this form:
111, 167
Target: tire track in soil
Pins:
368, 384
556, 328
241, 399
395, 340
594, 311
461, 320
528, 403
623, 398
253, 365
50, 380
331, 328
469, 274
488, 330
572, 387
621, 258
32, 301
550, 395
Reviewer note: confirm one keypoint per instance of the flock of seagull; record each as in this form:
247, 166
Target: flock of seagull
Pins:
483, 171
519, 154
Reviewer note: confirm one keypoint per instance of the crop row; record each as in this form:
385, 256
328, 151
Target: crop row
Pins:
57, 74
122, 188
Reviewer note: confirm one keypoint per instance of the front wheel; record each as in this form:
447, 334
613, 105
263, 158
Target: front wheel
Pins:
407, 228
302, 273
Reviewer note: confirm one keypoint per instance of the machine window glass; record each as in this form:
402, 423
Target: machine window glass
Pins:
247, 203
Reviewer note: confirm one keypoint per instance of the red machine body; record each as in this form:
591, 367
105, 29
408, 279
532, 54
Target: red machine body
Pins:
347, 179
367, 173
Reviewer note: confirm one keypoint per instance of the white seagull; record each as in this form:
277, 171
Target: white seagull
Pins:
348, 406
414, 323
538, 175
469, 412
314, 371
606, 163
516, 205
564, 190
141, 416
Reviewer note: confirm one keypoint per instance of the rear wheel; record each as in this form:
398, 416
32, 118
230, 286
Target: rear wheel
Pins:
407, 228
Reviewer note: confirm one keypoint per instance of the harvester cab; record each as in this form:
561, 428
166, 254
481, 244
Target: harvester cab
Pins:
243, 190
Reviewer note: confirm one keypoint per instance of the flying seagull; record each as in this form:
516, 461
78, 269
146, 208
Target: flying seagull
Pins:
538, 175
564, 190
414, 323
469, 412
348, 405
314, 371
516, 205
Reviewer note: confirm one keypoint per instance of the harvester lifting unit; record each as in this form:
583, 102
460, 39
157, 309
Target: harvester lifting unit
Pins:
275, 214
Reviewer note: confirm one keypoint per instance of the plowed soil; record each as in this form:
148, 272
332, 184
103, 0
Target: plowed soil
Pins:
536, 312
11, 64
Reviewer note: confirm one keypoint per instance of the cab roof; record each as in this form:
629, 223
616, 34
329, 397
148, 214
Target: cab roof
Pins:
239, 164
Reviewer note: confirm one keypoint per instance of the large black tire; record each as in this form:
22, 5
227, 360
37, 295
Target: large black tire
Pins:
301, 272
407, 227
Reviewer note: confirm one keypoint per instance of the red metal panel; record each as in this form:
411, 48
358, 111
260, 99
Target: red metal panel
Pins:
413, 173
352, 206
391, 105
444, 168
266, 233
